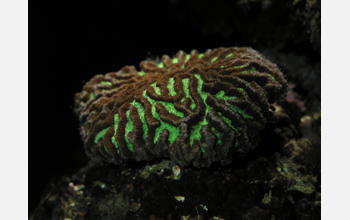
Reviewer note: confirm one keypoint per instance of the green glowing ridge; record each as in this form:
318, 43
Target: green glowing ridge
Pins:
100, 134
106, 149
273, 78
186, 83
205, 155
188, 56
106, 83
246, 71
156, 89
229, 122
174, 131
141, 111
195, 134
213, 60
116, 123
239, 66
218, 134
129, 128
175, 60
229, 55
170, 86
168, 105
92, 95
200, 55
141, 73
160, 65
221, 95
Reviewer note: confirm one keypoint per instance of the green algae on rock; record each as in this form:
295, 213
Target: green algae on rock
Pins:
193, 108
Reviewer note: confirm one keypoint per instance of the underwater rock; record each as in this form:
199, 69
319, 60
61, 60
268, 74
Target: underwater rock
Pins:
193, 108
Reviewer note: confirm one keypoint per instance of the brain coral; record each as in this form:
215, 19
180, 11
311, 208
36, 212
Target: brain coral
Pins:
194, 108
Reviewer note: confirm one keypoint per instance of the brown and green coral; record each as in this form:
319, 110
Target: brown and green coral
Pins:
193, 108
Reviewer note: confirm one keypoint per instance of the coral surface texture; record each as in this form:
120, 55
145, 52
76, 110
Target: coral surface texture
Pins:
194, 108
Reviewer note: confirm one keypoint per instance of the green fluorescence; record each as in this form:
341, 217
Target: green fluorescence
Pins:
229, 55
129, 128
141, 111
175, 60
217, 135
213, 60
85, 123
237, 144
195, 132
188, 56
216, 132
273, 78
182, 100
116, 123
101, 134
168, 106
156, 89
193, 106
251, 70
186, 83
160, 65
203, 94
228, 121
221, 95
239, 66
154, 113
170, 86
103, 90
205, 155
183, 66
240, 111
106, 83
141, 73
92, 95
174, 131
223, 66
200, 55
241, 89
106, 149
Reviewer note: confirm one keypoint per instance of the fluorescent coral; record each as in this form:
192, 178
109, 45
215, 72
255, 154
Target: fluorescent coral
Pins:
193, 108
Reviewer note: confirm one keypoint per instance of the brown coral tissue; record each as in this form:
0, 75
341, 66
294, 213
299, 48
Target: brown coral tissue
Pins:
194, 108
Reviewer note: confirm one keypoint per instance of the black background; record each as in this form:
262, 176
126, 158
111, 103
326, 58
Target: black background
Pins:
70, 44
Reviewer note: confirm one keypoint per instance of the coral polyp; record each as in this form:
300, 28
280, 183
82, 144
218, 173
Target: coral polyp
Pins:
193, 108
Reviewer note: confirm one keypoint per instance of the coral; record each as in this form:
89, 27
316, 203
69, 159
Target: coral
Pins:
282, 184
193, 108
